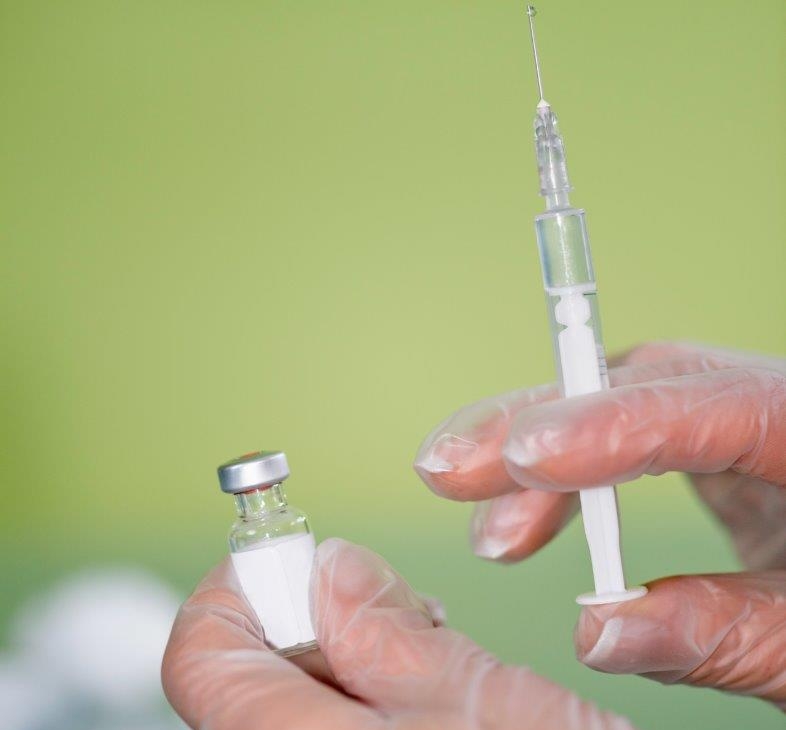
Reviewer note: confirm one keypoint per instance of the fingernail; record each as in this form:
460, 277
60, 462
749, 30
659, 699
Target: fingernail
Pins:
482, 546
496, 526
479, 517
434, 608
490, 548
634, 643
437, 610
326, 551
526, 450
448, 452
433, 464
604, 645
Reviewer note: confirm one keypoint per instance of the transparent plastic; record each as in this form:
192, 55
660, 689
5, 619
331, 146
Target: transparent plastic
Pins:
550, 153
267, 522
563, 243
571, 300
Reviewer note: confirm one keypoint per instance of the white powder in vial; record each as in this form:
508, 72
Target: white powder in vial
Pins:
275, 580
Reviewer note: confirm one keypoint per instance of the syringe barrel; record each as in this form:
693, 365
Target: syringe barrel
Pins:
568, 277
571, 298
563, 242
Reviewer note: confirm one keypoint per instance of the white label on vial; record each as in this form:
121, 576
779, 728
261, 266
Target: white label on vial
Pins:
275, 580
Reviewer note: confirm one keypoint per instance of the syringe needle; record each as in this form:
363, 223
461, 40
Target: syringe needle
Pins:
531, 13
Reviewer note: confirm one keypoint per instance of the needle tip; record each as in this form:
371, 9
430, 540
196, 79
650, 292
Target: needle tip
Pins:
531, 12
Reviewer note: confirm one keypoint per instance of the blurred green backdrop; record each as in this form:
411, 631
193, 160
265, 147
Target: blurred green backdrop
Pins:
308, 226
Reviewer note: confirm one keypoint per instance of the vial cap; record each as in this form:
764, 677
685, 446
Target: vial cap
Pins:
257, 470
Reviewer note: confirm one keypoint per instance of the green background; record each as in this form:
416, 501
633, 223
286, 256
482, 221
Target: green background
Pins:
308, 226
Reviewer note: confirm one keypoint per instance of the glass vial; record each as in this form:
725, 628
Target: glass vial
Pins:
272, 549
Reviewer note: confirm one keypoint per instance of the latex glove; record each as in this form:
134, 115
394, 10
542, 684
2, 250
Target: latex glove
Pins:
391, 666
718, 415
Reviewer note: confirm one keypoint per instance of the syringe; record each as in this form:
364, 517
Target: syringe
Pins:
571, 298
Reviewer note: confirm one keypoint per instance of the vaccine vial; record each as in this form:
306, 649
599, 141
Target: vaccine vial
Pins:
272, 549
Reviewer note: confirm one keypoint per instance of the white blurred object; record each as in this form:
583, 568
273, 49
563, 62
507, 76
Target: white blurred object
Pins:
27, 700
98, 637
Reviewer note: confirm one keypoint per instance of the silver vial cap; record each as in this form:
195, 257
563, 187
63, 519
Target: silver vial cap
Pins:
257, 470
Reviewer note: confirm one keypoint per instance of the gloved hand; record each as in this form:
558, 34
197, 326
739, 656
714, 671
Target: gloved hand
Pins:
718, 415
385, 663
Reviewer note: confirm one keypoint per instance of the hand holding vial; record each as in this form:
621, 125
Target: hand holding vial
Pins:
385, 663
